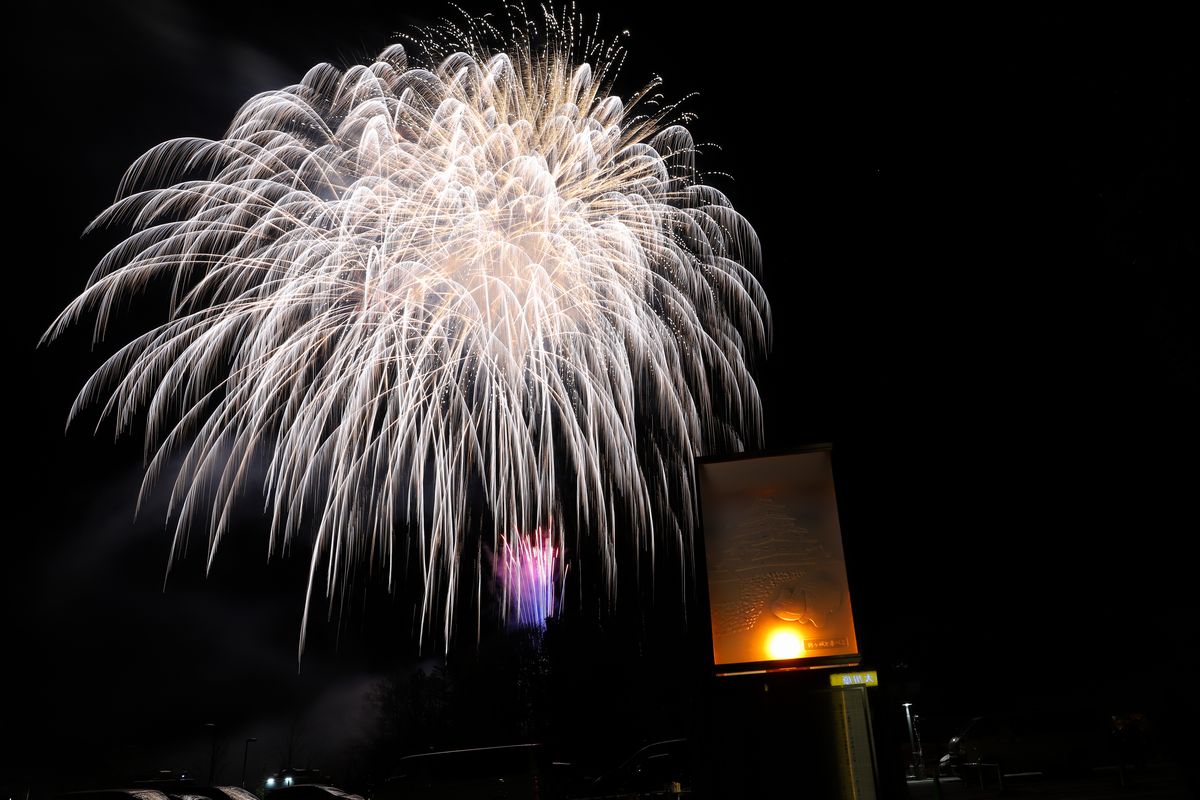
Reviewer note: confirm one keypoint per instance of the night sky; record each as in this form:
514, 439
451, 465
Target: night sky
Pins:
979, 245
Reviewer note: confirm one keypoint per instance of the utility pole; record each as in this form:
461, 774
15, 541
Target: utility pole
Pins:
246, 755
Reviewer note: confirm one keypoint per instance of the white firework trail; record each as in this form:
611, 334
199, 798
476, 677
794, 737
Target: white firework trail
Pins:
480, 292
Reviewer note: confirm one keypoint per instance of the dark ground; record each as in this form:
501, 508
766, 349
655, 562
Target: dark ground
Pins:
1163, 782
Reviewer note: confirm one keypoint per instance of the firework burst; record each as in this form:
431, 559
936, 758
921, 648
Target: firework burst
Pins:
465, 288
530, 571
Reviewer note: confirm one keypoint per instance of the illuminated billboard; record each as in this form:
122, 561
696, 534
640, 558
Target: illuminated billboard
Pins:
777, 588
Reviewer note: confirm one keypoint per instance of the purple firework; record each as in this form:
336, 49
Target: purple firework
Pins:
529, 568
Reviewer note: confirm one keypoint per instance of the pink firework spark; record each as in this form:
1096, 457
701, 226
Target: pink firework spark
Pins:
528, 568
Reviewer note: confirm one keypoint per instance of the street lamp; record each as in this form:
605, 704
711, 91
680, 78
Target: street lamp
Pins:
245, 755
912, 742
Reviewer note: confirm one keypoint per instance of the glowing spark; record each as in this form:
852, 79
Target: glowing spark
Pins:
409, 293
527, 569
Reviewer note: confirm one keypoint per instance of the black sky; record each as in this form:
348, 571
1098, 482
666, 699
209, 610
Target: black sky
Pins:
979, 244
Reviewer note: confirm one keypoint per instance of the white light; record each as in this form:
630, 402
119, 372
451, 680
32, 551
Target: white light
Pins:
270, 782
784, 644
287, 781
414, 283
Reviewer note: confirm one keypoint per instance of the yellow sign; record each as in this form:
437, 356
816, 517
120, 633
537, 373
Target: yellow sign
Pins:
868, 678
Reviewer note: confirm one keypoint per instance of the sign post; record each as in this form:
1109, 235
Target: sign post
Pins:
780, 611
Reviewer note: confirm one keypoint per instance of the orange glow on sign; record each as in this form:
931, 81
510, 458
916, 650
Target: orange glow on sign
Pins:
783, 643
777, 586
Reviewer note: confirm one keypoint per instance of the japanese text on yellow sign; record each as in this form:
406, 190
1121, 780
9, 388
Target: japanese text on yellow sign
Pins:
867, 678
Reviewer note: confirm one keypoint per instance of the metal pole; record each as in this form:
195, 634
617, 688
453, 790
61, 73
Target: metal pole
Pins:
912, 742
245, 755
916, 723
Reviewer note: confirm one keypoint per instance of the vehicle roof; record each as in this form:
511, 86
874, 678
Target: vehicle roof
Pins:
139, 792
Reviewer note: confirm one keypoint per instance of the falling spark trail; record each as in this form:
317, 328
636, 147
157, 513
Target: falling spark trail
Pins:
473, 279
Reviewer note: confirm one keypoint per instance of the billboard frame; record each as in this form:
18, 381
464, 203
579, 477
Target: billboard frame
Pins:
700, 554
